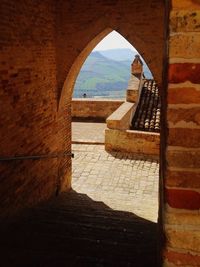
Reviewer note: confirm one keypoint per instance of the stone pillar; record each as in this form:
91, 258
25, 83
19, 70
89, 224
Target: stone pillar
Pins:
182, 176
132, 91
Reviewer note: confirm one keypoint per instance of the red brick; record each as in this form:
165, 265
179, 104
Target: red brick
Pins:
182, 179
181, 72
184, 137
182, 259
183, 199
189, 95
186, 4
186, 115
183, 159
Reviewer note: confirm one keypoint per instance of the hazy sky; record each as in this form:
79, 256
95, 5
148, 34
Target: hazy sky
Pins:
113, 40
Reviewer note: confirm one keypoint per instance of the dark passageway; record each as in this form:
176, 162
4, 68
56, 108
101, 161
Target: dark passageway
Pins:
74, 230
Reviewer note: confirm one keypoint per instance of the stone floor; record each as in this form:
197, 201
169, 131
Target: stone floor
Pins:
107, 220
74, 230
88, 132
122, 181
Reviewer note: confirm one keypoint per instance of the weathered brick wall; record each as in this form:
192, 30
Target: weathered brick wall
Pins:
28, 102
42, 43
182, 178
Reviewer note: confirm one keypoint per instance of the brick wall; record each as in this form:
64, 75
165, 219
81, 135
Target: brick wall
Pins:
28, 102
42, 45
182, 178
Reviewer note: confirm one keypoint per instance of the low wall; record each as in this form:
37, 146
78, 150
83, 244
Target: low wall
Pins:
121, 117
132, 141
93, 109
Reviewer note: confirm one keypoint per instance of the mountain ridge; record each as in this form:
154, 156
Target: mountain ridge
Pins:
103, 76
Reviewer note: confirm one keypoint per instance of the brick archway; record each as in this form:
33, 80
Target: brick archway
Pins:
36, 59
69, 83
64, 101
68, 86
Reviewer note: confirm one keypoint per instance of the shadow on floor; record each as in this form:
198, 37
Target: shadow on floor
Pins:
133, 156
74, 230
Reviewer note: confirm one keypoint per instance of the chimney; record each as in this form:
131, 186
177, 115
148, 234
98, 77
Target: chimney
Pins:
137, 66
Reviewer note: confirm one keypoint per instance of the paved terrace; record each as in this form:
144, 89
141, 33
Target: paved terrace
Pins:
123, 181
107, 220
88, 132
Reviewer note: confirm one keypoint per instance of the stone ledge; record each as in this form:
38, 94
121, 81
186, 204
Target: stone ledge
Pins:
93, 109
132, 91
132, 141
121, 118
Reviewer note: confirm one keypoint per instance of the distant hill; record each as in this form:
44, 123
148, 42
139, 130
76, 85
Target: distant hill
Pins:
105, 74
121, 54
127, 55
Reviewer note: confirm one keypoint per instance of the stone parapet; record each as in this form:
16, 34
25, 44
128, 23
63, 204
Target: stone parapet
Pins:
121, 118
93, 109
133, 89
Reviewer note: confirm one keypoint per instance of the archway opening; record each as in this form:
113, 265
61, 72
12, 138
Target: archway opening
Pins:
104, 165
95, 170
106, 71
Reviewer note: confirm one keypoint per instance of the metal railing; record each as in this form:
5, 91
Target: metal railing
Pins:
36, 157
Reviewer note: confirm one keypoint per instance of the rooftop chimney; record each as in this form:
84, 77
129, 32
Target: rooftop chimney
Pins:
137, 66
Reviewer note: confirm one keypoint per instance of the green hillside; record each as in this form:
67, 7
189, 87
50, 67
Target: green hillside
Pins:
101, 76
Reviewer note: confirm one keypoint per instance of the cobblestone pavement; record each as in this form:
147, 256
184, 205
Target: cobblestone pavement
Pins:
123, 181
88, 132
108, 220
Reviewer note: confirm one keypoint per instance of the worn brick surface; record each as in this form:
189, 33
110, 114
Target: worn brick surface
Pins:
28, 102
177, 46
185, 21
185, 5
181, 239
183, 158
183, 199
181, 115
42, 44
182, 168
181, 72
183, 178
182, 136
181, 259
183, 95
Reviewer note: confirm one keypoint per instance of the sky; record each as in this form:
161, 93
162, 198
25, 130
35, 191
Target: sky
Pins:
112, 41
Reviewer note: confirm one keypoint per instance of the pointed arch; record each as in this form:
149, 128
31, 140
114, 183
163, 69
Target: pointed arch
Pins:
67, 90
75, 68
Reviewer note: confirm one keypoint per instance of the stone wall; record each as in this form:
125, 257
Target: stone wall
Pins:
181, 177
132, 141
93, 109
